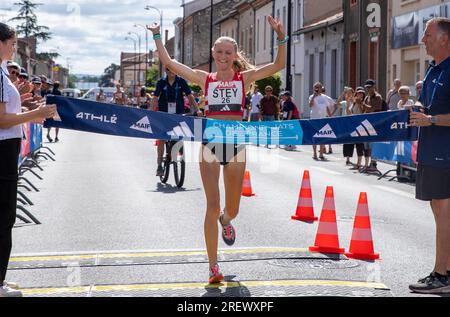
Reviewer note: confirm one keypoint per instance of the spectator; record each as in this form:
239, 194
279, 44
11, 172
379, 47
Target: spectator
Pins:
201, 101
56, 92
362, 149
269, 105
419, 86
289, 112
255, 114
247, 106
405, 102
332, 109
37, 84
433, 152
13, 70
376, 103
45, 86
119, 97
101, 97
344, 106
393, 96
320, 108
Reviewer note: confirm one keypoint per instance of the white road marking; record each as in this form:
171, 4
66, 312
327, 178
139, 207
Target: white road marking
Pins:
395, 191
326, 170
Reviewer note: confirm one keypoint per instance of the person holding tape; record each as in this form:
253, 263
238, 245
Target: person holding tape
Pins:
11, 118
225, 92
433, 152
169, 97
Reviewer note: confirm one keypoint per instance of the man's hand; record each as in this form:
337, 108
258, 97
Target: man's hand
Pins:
418, 119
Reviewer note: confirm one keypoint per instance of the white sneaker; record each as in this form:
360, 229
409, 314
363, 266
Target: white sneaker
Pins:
7, 291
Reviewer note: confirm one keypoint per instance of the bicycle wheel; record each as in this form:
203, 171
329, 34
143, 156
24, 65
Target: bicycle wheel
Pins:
179, 168
166, 167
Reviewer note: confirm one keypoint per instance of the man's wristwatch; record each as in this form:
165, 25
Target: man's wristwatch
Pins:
433, 120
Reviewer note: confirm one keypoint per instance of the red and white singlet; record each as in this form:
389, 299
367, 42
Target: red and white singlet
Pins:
224, 98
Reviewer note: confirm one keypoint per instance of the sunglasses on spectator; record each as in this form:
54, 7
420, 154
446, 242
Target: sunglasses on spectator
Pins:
13, 72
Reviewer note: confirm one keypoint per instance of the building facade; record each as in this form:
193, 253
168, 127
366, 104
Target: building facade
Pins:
366, 42
408, 57
323, 48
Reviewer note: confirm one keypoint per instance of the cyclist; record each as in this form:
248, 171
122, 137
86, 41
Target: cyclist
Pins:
169, 97
233, 78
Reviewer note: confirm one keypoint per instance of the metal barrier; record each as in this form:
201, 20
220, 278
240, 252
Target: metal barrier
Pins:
31, 152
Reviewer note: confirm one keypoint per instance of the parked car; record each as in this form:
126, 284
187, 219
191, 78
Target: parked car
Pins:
72, 93
92, 93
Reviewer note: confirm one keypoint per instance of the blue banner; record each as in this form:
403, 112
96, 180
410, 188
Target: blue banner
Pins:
116, 120
401, 152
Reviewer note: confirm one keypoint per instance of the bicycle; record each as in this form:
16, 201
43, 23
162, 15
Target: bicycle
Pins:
179, 163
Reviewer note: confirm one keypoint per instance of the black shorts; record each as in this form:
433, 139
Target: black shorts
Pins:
225, 153
432, 183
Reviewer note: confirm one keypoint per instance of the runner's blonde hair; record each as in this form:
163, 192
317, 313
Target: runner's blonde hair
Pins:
242, 63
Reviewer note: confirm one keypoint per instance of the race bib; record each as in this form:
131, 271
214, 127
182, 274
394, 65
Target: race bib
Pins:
172, 108
225, 96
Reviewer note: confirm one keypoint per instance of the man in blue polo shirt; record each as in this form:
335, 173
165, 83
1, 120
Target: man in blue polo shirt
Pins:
169, 97
433, 172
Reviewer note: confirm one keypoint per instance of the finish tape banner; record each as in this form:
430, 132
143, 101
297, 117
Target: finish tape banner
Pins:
94, 117
401, 152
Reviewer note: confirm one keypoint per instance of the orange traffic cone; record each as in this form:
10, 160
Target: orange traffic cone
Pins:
305, 209
327, 239
247, 186
361, 245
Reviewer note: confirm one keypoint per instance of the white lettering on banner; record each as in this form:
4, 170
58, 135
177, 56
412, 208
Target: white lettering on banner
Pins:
365, 129
326, 132
101, 118
399, 126
182, 130
143, 125
225, 93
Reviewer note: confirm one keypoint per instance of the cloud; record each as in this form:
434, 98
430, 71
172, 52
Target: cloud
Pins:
91, 33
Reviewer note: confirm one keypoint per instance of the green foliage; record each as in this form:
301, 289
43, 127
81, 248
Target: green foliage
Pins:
107, 79
194, 87
72, 80
152, 76
274, 81
29, 26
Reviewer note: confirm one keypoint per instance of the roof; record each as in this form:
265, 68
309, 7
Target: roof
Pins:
329, 21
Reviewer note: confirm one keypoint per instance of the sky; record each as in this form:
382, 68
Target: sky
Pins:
90, 34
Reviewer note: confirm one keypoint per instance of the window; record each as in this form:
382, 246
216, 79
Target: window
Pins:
250, 42
299, 14
373, 60
311, 70
322, 67
334, 79
284, 16
257, 35
353, 64
265, 32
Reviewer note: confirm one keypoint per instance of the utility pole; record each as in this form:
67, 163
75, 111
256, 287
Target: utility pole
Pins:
211, 36
289, 51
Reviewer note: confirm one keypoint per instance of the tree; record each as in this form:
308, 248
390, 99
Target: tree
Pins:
152, 76
107, 79
29, 26
274, 81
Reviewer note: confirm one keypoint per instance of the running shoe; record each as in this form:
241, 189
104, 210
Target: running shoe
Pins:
215, 276
49, 139
7, 291
432, 284
228, 232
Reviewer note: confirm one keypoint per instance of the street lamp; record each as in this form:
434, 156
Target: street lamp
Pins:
139, 54
134, 41
161, 28
147, 55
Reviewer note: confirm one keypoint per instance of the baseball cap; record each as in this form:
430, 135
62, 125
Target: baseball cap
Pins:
44, 79
36, 80
361, 90
370, 83
286, 93
12, 64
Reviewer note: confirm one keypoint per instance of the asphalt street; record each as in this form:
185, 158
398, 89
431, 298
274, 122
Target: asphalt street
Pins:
101, 196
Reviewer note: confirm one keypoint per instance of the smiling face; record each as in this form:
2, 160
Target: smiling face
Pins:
224, 54
433, 39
